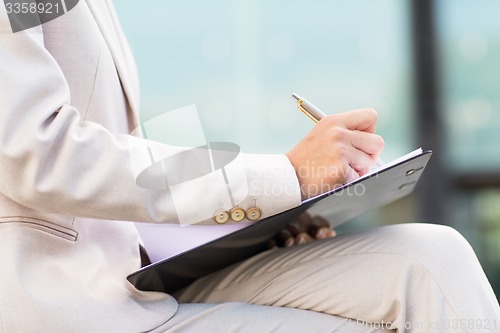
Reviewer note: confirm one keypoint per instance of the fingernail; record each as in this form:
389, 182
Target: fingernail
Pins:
322, 233
284, 234
303, 238
271, 245
294, 228
300, 239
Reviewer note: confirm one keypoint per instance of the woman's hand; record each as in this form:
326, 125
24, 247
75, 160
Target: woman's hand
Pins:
302, 230
339, 149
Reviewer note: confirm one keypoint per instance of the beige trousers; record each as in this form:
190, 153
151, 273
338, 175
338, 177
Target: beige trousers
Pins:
409, 278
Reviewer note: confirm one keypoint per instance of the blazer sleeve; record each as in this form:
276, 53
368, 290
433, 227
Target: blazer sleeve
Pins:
51, 160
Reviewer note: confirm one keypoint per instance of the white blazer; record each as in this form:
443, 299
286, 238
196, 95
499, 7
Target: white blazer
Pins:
68, 101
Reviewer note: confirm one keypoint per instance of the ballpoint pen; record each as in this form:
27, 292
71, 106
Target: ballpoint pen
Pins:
308, 108
315, 114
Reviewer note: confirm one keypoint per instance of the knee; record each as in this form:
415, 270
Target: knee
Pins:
431, 236
446, 237
439, 246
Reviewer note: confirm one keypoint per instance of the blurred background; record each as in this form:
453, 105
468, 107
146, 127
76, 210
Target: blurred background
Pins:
430, 68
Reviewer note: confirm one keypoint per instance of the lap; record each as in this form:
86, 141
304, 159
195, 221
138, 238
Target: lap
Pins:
244, 317
330, 263
373, 276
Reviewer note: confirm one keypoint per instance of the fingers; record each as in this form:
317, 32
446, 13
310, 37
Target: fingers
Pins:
361, 149
361, 119
352, 163
360, 162
338, 150
369, 143
351, 174
303, 238
325, 232
345, 131
298, 231
318, 223
300, 224
302, 230
369, 146
285, 238
320, 228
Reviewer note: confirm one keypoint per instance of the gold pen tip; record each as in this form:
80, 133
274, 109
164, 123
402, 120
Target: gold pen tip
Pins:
297, 97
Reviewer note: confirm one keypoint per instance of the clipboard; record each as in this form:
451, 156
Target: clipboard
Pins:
380, 187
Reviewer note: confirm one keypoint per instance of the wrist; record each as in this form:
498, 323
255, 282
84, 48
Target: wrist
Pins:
300, 180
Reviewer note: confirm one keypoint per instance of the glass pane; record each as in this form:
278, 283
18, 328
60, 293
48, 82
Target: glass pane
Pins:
469, 43
476, 214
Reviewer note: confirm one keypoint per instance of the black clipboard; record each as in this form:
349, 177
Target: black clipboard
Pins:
388, 184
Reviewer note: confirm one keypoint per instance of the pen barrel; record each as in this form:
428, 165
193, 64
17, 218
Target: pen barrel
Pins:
313, 110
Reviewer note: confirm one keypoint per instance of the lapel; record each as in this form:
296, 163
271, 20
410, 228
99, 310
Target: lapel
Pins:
109, 26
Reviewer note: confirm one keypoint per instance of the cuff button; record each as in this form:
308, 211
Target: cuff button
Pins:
254, 214
237, 214
221, 217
